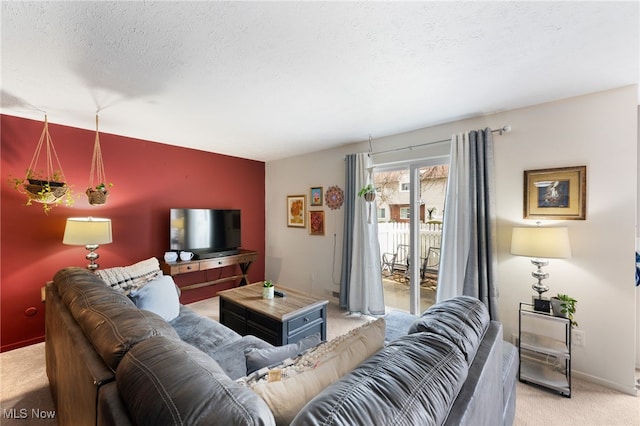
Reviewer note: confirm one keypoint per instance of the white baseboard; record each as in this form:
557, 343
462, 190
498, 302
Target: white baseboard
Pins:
606, 383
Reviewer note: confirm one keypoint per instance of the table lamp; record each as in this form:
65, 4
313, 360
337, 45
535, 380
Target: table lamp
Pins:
540, 244
88, 232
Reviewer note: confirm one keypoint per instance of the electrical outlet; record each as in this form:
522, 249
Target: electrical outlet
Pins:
578, 338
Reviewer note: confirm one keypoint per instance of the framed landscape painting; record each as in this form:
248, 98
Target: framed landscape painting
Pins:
296, 211
559, 193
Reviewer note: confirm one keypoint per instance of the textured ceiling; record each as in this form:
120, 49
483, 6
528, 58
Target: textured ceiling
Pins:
267, 80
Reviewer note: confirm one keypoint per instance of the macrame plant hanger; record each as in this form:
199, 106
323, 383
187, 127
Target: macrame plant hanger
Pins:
97, 191
370, 196
47, 186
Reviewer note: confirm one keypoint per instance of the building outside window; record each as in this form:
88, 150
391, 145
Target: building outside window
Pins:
404, 213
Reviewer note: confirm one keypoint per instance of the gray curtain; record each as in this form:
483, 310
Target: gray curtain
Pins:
468, 264
361, 281
350, 192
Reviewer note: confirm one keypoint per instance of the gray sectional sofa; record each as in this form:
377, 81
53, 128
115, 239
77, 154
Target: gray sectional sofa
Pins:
111, 363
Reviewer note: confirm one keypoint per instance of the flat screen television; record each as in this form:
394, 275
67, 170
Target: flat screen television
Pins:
205, 232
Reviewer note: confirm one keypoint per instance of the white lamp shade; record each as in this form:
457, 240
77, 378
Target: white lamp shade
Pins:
541, 242
82, 231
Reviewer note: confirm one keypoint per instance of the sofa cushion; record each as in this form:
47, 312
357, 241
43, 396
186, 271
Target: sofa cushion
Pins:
159, 296
413, 380
221, 343
258, 358
230, 357
168, 382
127, 278
202, 332
109, 320
462, 319
78, 287
291, 387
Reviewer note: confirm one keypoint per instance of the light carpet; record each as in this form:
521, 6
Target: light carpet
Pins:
25, 398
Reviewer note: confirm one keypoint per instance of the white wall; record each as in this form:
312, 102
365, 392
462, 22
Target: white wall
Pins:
597, 130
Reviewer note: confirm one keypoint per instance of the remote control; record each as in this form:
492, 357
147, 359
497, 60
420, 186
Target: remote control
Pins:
279, 293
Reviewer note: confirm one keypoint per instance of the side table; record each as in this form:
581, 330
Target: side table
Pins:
544, 346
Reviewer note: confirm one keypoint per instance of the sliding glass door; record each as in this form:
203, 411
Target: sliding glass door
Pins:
410, 202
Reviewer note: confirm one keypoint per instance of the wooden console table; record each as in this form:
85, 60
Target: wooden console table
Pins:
244, 259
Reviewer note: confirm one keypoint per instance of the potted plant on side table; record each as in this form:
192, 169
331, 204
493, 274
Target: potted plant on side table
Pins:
563, 305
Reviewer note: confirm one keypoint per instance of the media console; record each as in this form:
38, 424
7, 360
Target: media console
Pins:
243, 258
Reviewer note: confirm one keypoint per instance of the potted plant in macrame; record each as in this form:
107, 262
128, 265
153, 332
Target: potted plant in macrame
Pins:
97, 194
368, 192
48, 185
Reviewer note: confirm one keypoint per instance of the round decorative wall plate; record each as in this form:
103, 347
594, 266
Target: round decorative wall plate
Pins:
334, 197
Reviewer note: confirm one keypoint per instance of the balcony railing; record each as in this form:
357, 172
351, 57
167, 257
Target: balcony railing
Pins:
393, 234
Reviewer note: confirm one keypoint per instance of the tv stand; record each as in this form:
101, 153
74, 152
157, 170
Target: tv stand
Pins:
214, 254
243, 258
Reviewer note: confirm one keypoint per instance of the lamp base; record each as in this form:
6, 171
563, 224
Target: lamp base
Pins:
541, 304
92, 256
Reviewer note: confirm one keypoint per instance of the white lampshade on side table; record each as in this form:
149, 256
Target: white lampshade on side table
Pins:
540, 244
89, 232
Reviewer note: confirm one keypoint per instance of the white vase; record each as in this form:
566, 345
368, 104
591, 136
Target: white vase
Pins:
267, 292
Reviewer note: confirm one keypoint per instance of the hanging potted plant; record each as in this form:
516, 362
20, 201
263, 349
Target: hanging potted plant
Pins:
368, 192
46, 186
97, 194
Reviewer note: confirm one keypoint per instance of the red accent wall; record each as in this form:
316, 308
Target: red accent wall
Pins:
149, 178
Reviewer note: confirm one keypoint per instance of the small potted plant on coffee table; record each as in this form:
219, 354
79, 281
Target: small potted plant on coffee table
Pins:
267, 290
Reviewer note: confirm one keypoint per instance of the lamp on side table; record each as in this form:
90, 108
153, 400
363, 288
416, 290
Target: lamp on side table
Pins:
540, 244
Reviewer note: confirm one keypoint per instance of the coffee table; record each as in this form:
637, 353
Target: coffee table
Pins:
280, 320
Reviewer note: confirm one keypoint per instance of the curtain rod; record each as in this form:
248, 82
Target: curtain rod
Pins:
503, 129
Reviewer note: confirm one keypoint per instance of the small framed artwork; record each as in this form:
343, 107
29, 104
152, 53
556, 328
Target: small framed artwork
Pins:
296, 211
316, 222
559, 193
316, 196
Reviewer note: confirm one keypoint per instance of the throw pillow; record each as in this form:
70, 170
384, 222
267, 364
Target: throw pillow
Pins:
127, 278
292, 387
158, 296
258, 358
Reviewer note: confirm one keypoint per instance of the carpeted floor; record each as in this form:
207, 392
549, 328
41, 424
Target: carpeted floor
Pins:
25, 398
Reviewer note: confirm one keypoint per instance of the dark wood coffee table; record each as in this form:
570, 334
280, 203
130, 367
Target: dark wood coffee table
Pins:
280, 320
